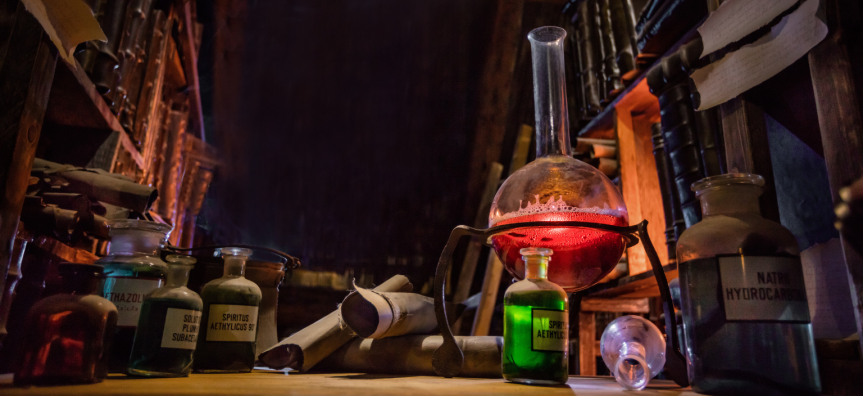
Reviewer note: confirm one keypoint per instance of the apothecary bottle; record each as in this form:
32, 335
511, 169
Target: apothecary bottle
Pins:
168, 326
69, 335
133, 268
226, 342
536, 325
745, 313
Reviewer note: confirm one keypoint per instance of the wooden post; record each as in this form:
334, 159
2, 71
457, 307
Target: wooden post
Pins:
488, 298
837, 79
26, 75
747, 149
587, 343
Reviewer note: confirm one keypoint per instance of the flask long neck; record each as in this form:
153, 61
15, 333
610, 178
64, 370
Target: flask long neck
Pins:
549, 91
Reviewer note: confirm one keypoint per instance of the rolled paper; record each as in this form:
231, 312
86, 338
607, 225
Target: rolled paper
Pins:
412, 355
373, 314
305, 348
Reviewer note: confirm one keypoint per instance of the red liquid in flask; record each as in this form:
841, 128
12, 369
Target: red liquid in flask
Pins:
582, 256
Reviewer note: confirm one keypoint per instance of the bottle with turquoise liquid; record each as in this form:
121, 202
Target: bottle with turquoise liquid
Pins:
168, 326
536, 325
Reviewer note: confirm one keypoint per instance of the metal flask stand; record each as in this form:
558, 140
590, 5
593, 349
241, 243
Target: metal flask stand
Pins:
448, 359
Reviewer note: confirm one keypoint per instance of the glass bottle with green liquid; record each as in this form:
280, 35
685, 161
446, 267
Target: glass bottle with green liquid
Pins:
226, 343
536, 325
168, 326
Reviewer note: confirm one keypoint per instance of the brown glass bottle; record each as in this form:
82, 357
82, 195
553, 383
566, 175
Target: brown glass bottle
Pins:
745, 315
69, 334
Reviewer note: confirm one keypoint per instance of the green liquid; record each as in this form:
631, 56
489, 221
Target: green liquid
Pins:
520, 362
224, 356
148, 358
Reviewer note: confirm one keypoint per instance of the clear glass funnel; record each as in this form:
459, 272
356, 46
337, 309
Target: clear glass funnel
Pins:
557, 187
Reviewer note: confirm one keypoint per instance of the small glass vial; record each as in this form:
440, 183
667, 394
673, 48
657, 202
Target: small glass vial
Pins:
535, 325
226, 343
168, 326
133, 269
745, 313
69, 334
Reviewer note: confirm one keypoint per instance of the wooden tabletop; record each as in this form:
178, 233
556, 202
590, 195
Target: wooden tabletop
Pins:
277, 383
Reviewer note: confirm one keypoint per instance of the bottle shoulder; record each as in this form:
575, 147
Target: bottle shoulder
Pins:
723, 234
89, 303
177, 293
231, 289
534, 285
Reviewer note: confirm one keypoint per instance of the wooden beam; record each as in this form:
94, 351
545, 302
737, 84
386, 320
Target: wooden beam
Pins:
836, 78
190, 66
747, 149
495, 87
25, 83
619, 305
488, 298
586, 343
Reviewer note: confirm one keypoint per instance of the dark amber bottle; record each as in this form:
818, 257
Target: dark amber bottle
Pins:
69, 334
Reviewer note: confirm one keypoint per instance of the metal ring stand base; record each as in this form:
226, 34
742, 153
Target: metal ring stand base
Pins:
448, 359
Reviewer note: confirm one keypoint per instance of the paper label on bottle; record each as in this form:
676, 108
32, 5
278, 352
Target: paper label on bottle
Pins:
232, 323
549, 329
128, 295
181, 328
763, 288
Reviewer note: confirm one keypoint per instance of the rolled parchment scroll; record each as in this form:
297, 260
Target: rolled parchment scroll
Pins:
374, 314
412, 355
305, 348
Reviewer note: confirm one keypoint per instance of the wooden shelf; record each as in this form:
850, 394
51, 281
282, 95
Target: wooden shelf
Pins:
75, 104
602, 126
635, 286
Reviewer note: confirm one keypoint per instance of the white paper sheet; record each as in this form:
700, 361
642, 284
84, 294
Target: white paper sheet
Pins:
67, 22
737, 72
734, 19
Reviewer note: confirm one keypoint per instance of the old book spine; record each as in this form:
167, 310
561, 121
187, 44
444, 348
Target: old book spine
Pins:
621, 31
609, 64
678, 125
151, 87
575, 93
591, 57
104, 71
674, 223
597, 44
127, 53
709, 127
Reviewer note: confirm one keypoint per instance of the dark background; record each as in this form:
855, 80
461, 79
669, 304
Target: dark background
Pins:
345, 126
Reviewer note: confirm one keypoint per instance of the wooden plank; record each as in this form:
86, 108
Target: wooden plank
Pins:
836, 76
747, 149
25, 84
495, 88
639, 180
634, 286
190, 66
262, 382
488, 296
586, 343
620, 305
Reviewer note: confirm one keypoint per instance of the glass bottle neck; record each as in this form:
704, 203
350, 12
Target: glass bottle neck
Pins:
178, 275
549, 92
536, 268
128, 242
235, 266
730, 200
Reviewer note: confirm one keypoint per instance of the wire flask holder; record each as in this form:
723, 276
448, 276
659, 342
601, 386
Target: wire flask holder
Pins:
448, 359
